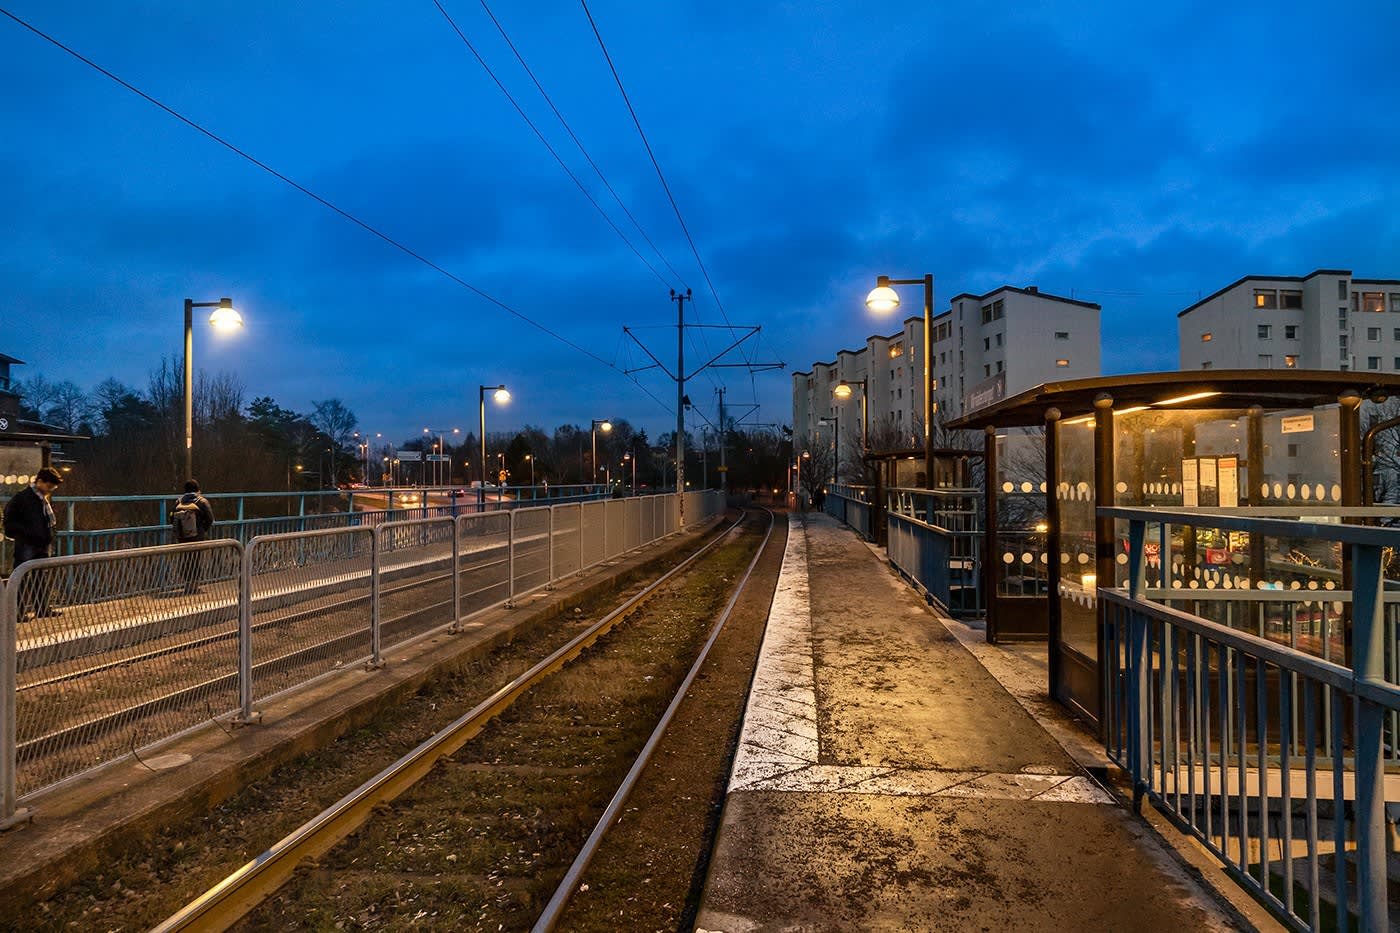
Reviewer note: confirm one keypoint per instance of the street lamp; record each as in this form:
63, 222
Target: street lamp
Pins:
531, 460
501, 395
223, 318
843, 392
628, 456
606, 425
883, 300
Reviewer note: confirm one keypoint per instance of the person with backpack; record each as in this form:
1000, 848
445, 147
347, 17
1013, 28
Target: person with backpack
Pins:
191, 520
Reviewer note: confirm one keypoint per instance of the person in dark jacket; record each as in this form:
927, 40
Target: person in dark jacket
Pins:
194, 501
29, 520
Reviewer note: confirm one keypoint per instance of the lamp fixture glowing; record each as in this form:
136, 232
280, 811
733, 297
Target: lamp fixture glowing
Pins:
224, 317
501, 395
882, 299
843, 390
605, 426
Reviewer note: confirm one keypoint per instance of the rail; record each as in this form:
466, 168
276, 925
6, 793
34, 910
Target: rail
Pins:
103, 655
1274, 758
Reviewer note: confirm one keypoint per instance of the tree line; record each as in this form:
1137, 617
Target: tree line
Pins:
134, 435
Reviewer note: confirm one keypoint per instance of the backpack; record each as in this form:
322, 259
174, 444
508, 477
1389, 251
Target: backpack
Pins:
186, 521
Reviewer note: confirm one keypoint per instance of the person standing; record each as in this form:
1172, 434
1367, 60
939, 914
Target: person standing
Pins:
191, 520
29, 520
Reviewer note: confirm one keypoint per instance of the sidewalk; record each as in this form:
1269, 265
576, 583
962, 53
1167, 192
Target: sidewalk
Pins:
886, 781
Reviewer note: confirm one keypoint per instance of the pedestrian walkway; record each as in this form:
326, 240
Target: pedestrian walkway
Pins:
885, 780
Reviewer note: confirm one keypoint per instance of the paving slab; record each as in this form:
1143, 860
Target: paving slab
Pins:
885, 780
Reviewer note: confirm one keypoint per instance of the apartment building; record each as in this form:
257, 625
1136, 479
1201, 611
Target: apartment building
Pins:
984, 347
1327, 319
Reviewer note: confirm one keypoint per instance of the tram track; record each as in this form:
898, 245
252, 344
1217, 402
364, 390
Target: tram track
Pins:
232, 898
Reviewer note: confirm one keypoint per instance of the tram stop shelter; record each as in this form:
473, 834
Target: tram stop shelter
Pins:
1266, 443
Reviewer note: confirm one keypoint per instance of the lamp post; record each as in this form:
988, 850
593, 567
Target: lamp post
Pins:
626, 457
530, 458
606, 425
501, 395
882, 300
836, 443
843, 392
223, 318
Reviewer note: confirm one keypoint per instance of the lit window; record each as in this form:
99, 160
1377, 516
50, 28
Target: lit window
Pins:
1291, 361
1265, 298
1207, 337
1373, 362
1265, 331
1290, 299
1373, 301
1062, 363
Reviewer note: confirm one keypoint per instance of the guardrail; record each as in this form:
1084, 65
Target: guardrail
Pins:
1273, 758
107, 655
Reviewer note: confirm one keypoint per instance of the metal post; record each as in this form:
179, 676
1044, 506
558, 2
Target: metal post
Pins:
189, 388
551, 546
481, 435
1368, 646
1104, 565
723, 466
376, 657
580, 534
680, 301
456, 574
1052, 546
990, 545
9, 675
510, 561
245, 635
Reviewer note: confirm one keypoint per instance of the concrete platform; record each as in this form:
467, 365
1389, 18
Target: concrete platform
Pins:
885, 780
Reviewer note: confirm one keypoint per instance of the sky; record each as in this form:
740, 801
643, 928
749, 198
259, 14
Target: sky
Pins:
1136, 155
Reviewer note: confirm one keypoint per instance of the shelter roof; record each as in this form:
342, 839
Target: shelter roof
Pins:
1275, 390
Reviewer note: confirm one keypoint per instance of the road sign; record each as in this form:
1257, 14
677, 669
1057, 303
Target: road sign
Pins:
410, 456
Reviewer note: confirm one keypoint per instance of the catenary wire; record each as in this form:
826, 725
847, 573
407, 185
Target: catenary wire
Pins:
579, 143
662, 176
368, 228
552, 151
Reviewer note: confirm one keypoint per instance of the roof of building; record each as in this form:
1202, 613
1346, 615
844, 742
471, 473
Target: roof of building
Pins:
1271, 278
9, 359
1032, 291
1212, 389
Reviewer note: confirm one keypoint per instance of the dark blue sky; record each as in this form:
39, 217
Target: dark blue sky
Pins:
1139, 159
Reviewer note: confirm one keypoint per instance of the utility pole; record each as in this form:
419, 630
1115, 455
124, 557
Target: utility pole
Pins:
680, 301
723, 468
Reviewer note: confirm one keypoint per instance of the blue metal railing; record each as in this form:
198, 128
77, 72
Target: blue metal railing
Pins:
923, 554
1273, 758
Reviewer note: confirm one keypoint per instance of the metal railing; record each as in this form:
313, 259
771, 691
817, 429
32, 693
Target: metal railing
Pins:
851, 506
922, 553
106, 655
1273, 758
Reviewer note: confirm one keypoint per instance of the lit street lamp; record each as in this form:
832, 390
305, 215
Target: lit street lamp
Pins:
501, 395
843, 392
530, 458
606, 425
223, 318
883, 300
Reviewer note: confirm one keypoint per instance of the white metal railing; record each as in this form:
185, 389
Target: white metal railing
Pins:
1274, 758
104, 655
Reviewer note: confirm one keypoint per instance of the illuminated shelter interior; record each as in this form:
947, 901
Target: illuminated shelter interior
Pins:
1221, 439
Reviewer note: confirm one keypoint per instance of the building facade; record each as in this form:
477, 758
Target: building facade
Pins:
1327, 319
984, 347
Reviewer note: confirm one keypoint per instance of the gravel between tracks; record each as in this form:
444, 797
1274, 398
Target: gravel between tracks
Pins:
149, 882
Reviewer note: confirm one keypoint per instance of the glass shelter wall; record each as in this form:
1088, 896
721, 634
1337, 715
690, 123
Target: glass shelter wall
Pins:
1077, 648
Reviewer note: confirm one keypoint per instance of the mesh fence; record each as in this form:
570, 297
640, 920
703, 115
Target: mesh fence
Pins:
594, 522
111, 652
483, 560
530, 550
567, 544
415, 578
104, 654
310, 605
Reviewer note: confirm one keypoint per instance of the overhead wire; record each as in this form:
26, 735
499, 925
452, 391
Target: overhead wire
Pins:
540, 136
364, 225
579, 143
636, 121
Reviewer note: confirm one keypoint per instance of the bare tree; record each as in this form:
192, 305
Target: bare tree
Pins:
336, 422
37, 394
69, 407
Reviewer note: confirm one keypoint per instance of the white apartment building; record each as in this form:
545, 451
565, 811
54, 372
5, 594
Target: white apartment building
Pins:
984, 347
1324, 320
